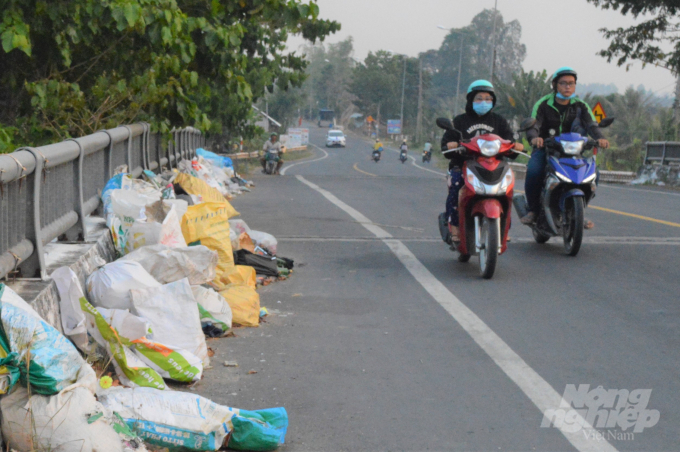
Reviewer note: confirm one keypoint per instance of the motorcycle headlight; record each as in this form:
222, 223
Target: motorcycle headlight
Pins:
489, 148
573, 147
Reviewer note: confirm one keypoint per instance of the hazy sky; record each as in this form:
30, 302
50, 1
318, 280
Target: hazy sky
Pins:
555, 32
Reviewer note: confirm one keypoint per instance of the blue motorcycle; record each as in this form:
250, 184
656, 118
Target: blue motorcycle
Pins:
570, 185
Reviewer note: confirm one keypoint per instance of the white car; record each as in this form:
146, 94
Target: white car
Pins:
335, 138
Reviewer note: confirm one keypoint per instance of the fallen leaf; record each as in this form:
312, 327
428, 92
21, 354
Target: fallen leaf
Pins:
251, 372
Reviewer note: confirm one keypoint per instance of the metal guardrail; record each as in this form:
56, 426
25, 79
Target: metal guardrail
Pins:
662, 152
46, 192
605, 176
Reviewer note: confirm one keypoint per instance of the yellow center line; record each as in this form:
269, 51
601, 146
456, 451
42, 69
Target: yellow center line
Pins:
667, 223
618, 212
364, 172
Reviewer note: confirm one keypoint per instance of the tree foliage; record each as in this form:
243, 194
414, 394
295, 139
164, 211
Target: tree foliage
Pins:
70, 68
516, 100
645, 41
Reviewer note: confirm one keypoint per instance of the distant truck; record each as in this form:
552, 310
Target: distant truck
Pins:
326, 118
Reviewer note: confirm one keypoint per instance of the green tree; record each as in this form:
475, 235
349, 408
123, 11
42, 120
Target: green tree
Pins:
70, 68
516, 100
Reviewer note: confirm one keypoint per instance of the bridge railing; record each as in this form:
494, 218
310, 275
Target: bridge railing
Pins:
662, 152
47, 192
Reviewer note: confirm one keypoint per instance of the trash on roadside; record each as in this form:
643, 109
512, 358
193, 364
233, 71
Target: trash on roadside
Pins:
35, 353
218, 160
166, 265
230, 364
263, 265
263, 312
206, 224
266, 241
160, 225
213, 310
244, 303
173, 313
58, 423
109, 285
181, 420
195, 186
240, 274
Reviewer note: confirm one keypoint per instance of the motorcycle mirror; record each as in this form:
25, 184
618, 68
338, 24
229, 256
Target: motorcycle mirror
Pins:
606, 122
445, 123
527, 124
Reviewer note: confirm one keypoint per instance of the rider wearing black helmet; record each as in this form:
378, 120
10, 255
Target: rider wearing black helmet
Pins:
555, 113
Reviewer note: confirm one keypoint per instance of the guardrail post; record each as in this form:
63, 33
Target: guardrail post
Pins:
663, 154
35, 265
129, 149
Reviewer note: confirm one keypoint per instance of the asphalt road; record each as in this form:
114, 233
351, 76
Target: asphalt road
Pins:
381, 340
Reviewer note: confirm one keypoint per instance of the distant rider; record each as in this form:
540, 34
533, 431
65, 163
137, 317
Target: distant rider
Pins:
555, 112
477, 120
427, 150
378, 146
403, 148
274, 148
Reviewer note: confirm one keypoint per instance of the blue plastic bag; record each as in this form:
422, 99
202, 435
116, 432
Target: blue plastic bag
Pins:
217, 160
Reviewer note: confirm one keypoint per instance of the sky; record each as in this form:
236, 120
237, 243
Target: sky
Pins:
556, 33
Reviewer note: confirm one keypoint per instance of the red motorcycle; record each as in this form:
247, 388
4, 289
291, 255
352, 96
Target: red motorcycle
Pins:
485, 201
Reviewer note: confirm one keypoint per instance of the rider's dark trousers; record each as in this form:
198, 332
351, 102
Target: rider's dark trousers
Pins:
533, 181
452, 200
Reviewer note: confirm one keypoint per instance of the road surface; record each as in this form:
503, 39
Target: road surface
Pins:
381, 340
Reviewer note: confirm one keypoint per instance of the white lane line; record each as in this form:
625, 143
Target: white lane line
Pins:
426, 169
283, 171
531, 383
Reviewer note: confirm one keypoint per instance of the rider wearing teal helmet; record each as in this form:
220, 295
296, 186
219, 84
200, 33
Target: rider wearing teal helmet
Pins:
555, 113
478, 119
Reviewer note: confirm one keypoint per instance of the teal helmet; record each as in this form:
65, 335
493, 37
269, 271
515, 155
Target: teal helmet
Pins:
564, 70
477, 86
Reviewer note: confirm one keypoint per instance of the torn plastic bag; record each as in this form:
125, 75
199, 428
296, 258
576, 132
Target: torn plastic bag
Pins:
239, 226
73, 319
263, 265
213, 309
56, 423
181, 420
161, 224
219, 161
109, 286
166, 265
240, 274
54, 361
264, 240
172, 311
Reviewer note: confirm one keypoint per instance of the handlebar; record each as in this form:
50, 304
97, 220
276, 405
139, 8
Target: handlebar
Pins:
458, 149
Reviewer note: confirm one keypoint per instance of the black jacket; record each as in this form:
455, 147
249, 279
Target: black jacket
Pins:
470, 124
548, 117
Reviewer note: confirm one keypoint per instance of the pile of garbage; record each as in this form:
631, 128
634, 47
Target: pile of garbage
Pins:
661, 175
187, 269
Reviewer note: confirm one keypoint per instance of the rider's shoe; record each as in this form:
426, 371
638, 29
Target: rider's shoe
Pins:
587, 224
528, 219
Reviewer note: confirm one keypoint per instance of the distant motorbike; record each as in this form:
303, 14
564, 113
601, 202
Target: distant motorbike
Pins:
402, 156
271, 161
570, 184
427, 156
485, 201
376, 155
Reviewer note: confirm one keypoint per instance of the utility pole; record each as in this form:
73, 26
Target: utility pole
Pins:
460, 69
493, 41
403, 89
676, 102
419, 118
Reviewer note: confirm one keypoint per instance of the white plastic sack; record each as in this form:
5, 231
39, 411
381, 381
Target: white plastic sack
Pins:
109, 286
166, 265
56, 423
264, 240
72, 318
233, 237
181, 205
213, 308
239, 226
173, 313
160, 225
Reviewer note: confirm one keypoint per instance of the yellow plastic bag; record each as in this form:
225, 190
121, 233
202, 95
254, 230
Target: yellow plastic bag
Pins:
241, 275
244, 303
195, 186
208, 224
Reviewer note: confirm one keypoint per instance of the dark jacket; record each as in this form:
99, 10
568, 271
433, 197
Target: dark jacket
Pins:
470, 124
548, 117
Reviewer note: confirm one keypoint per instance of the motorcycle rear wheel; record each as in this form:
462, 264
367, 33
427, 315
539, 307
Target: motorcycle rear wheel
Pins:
488, 255
573, 225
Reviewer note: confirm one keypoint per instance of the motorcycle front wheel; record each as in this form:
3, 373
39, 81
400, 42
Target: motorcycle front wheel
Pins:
573, 225
488, 255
